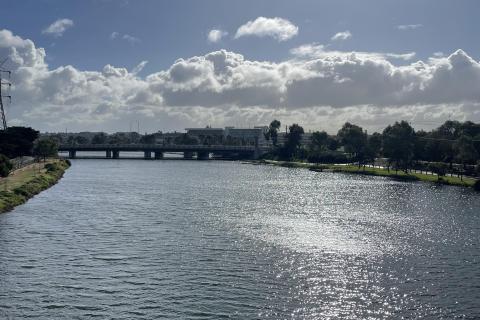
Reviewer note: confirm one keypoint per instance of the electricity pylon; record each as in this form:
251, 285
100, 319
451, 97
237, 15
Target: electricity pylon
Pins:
4, 83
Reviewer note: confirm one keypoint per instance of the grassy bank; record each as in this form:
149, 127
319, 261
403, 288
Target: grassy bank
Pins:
400, 175
23, 184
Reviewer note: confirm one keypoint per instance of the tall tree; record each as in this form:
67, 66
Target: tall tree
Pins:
272, 132
354, 140
294, 138
399, 144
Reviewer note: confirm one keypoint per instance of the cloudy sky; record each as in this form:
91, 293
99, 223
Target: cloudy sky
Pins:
106, 64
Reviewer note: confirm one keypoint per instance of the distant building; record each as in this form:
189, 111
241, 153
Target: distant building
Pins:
229, 135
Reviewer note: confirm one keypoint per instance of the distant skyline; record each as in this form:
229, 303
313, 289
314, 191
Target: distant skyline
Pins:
100, 65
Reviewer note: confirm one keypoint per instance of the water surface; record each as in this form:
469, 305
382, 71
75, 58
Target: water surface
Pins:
134, 239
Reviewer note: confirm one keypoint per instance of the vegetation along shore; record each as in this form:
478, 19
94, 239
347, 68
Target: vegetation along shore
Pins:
26, 182
412, 175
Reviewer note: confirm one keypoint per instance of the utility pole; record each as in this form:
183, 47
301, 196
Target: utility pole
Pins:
3, 83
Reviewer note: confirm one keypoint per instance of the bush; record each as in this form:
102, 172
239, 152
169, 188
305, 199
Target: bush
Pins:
476, 185
5, 166
328, 157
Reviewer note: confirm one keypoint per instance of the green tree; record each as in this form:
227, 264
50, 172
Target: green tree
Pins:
148, 139
319, 142
272, 132
17, 141
100, 138
354, 140
5, 166
46, 147
294, 138
399, 144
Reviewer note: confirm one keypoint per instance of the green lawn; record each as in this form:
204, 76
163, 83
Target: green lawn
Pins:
411, 176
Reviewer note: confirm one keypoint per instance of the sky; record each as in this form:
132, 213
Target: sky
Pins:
104, 65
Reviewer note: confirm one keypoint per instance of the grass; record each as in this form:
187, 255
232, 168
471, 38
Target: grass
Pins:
400, 175
23, 184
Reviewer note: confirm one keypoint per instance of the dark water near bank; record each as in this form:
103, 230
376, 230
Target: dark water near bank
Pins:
137, 239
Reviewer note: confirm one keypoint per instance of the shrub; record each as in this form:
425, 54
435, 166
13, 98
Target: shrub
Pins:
5, 166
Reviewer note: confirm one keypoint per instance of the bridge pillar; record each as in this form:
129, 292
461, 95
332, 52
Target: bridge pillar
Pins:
147, 154
203, 155
115, 154
108, 154
188, 155
158, 155
72, 154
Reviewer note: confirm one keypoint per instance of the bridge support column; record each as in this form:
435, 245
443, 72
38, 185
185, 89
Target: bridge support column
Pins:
203, 155
158, 155
72, 154
147, 154
109, 154
188, 155
115, 154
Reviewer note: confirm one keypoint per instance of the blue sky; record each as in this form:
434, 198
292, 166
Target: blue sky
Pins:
123, 33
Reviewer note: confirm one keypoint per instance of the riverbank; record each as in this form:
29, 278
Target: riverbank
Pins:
352, 169
26, 182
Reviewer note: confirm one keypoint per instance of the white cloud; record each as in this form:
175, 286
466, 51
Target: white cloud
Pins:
342, 36
216, 35
277, 28
131, 39
315, 50
319, 89
405, 27
58, 27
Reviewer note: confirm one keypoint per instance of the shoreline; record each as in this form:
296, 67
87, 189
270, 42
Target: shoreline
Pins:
25, 183
379, 172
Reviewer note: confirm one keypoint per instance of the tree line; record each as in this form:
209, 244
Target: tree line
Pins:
23, 141
452, 147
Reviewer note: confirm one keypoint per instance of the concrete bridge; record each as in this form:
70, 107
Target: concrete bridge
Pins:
154, 151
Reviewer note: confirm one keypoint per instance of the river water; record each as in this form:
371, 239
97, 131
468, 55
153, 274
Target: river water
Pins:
135, 239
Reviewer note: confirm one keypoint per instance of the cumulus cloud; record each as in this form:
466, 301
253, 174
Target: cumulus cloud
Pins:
405, 27
58, 27
277, 28
317, 88
216, 35
342, 36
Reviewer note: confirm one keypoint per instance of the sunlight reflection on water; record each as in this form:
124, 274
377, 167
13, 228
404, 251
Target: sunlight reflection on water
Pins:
136, 239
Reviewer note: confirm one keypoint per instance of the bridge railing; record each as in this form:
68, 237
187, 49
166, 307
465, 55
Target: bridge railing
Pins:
154, 147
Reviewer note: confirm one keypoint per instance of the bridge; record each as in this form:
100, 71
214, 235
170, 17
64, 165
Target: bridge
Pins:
202, 152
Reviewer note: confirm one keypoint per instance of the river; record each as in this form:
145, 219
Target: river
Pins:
135, 239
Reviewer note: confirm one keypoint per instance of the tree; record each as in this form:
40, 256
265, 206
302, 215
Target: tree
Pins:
17, 141
294, 138
148, 139
354, 140
46, 147
5, 166
272, 132
185, 139
100, 138
81, 140
399, 144
319, 141
466, 152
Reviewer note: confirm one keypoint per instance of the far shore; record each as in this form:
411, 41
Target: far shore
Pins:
374, 171
24, 183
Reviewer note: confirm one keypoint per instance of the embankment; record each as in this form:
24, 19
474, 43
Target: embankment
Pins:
24, 184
